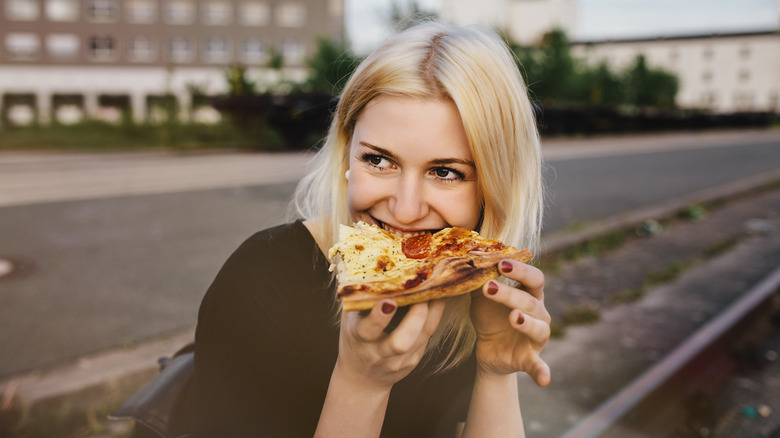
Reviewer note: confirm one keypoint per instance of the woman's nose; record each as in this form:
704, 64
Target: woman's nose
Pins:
409, 203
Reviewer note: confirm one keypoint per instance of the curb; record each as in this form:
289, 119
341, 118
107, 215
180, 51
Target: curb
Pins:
96, 380
89, 383
560, 241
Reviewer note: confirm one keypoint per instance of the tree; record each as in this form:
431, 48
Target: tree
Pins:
550, 71
602, 86
404, 17
238, 84
330, 66
644, 86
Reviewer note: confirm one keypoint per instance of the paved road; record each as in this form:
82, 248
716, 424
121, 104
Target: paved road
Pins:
94, 272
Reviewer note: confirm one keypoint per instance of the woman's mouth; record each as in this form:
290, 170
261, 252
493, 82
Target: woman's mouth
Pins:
398, 232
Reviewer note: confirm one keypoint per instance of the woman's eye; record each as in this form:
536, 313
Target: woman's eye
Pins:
445, 173
377, 161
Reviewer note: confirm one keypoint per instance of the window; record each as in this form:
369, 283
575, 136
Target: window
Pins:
141, 49
103, 11
21, 10
744, 52
708, 99
744, 75
708, 54
217, 13
254, 51
216, 49
292, 51
102, 48
141, 11
254, 13
22, 44
180, 49
63, 45
62, 10
291, 15
706, 76
179, 12
743, 101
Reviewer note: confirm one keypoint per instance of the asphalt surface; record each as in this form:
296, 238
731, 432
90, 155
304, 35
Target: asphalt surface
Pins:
152, 254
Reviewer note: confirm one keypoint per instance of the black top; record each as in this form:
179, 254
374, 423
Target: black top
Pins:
267, 341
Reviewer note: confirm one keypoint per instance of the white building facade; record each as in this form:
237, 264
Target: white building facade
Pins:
723, 73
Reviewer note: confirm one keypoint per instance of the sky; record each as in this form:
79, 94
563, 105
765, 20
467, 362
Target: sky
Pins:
604, 19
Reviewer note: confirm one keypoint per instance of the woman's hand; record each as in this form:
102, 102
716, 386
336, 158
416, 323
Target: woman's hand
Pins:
512, 324
378, 359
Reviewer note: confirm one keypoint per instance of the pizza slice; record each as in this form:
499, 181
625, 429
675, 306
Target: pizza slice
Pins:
373, 264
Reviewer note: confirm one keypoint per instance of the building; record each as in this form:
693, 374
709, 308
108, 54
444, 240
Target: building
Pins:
62, 60
728, 72
723, 73
522, 21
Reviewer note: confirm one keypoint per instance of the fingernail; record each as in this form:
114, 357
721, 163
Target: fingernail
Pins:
387, 308
520, 319
492, 288
506, 266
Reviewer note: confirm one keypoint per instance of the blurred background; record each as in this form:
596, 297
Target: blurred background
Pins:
141, 141
261, 74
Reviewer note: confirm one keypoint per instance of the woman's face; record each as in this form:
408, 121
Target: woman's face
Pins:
410, 167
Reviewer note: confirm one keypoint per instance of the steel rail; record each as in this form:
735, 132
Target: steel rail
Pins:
619, 406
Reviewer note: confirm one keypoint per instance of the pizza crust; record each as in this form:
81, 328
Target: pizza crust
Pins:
450, 277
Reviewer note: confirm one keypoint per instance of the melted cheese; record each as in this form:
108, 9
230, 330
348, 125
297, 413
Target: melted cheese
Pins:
366, 253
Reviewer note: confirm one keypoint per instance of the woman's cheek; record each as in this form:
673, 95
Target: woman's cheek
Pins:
362, 193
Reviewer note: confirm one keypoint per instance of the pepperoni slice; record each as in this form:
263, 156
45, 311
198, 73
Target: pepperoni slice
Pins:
417, 247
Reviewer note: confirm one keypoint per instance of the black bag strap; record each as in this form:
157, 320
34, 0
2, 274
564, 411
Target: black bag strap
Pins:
161, 404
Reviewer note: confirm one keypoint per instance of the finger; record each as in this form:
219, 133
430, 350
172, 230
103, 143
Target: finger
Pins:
536, 330
540, 372
514, 298
408, 333
370, 328
435, 312
531, 278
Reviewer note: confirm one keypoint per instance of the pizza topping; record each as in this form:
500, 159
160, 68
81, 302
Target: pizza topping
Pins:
384, 263
372, 264
351, 289
419, 278
417, 247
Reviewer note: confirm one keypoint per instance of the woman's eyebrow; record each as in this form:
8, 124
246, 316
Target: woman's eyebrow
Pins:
378, 149
435, 162
445, 161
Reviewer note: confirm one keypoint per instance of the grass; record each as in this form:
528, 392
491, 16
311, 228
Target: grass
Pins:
575, 315
63, 421
100, 136
589, 314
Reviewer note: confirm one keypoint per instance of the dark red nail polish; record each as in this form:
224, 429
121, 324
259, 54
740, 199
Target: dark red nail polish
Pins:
520, 319
492, 288
506, 266
387, 308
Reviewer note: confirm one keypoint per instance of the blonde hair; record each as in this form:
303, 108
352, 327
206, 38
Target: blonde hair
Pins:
473, 68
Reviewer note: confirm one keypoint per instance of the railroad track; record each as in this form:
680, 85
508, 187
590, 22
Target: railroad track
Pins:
654, 404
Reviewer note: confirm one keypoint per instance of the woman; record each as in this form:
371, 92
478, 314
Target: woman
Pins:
433, 130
